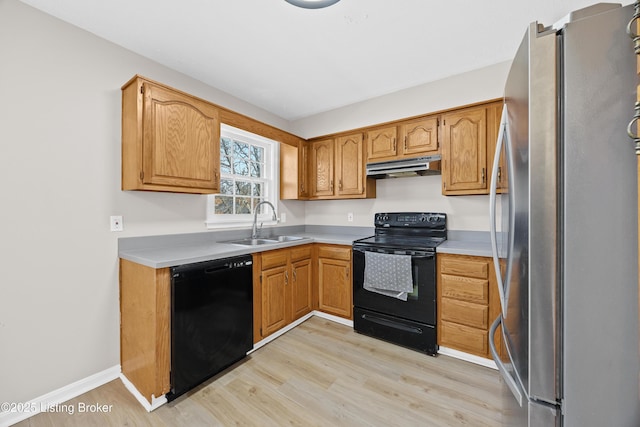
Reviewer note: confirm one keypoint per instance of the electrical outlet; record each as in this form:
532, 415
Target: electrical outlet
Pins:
283, 217
350, 217
116, 223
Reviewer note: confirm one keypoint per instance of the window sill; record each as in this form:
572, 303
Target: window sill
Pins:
237, 224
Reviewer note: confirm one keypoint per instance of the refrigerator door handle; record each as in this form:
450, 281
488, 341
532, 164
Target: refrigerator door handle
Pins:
504, 137
504, 372
502, 281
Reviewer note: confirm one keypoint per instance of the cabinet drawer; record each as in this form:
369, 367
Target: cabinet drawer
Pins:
274, 258
464, 338
465, 288
465, 313
335, 252
300, 252
478, 268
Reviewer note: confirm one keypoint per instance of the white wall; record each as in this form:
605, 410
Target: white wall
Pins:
60, 104
408, 194
60, 173
475, 86
421, 194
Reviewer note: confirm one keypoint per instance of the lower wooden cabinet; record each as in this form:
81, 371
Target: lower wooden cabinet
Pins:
282, 288
335, 290
290, 283
145, 327
468, 303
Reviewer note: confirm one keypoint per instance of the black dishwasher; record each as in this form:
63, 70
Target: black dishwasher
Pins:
211, 319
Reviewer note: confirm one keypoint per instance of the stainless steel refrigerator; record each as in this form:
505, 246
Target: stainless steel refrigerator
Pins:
565, 232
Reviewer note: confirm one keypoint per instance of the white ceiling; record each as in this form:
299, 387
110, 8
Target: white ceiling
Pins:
295, 62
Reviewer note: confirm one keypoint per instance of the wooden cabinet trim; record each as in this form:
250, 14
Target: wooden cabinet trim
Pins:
465, 288
145, 326
275, 258
335, 252
467, 298
466, 266
365, 129
465, 313
465, 338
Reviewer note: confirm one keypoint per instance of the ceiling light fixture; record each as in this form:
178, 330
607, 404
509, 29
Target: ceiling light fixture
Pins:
312, 4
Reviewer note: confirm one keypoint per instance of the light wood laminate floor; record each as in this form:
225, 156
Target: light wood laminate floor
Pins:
319, 374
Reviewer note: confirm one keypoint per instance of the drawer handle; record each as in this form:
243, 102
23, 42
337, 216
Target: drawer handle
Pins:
392, 324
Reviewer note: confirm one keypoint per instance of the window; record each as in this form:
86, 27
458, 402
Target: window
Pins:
248, 175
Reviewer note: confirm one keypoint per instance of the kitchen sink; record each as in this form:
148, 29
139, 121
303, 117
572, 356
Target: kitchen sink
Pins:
288, 238
265, 241
251, 242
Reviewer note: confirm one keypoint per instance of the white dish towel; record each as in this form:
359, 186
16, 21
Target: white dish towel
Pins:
388, 274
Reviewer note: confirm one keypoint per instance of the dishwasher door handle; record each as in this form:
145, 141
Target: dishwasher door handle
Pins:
212, 270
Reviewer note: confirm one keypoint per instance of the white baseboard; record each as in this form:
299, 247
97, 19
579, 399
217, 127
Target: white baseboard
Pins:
57, 397
333, 318
156, 402
290, 326
467, 357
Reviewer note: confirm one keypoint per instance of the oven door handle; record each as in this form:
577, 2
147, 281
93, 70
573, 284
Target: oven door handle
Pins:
422, 255
428, 256
392, 324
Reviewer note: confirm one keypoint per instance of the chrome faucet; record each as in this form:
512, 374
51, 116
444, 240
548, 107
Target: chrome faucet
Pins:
254, 230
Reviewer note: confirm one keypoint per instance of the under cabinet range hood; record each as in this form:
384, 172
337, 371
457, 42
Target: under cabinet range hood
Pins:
428, 165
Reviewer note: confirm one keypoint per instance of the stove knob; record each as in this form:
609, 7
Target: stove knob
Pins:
386, 217
423, 218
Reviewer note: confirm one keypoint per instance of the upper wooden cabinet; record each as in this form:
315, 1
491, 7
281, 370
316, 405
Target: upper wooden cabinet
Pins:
382, 144
336, 169
294, 176
494, 114
464, 151
349, 171
419, 137
170, 140
411, 138
321, 168
303, 170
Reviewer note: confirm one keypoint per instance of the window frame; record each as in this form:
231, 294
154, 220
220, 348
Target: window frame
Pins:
272, 176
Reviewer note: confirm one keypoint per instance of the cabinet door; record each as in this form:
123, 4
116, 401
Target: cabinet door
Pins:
301, 281
334, 287
350, 165
419, 137
464, 152
289, 172
274, 298
321, 165
494, 114
303, 170
382, 144
181, 140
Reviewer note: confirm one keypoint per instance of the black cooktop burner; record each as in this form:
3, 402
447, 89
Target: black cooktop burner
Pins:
407, 230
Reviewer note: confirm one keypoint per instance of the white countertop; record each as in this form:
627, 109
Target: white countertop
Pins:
187, 253
169, 251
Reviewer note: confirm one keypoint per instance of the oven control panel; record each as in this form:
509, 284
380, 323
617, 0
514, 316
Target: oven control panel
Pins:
411, 219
